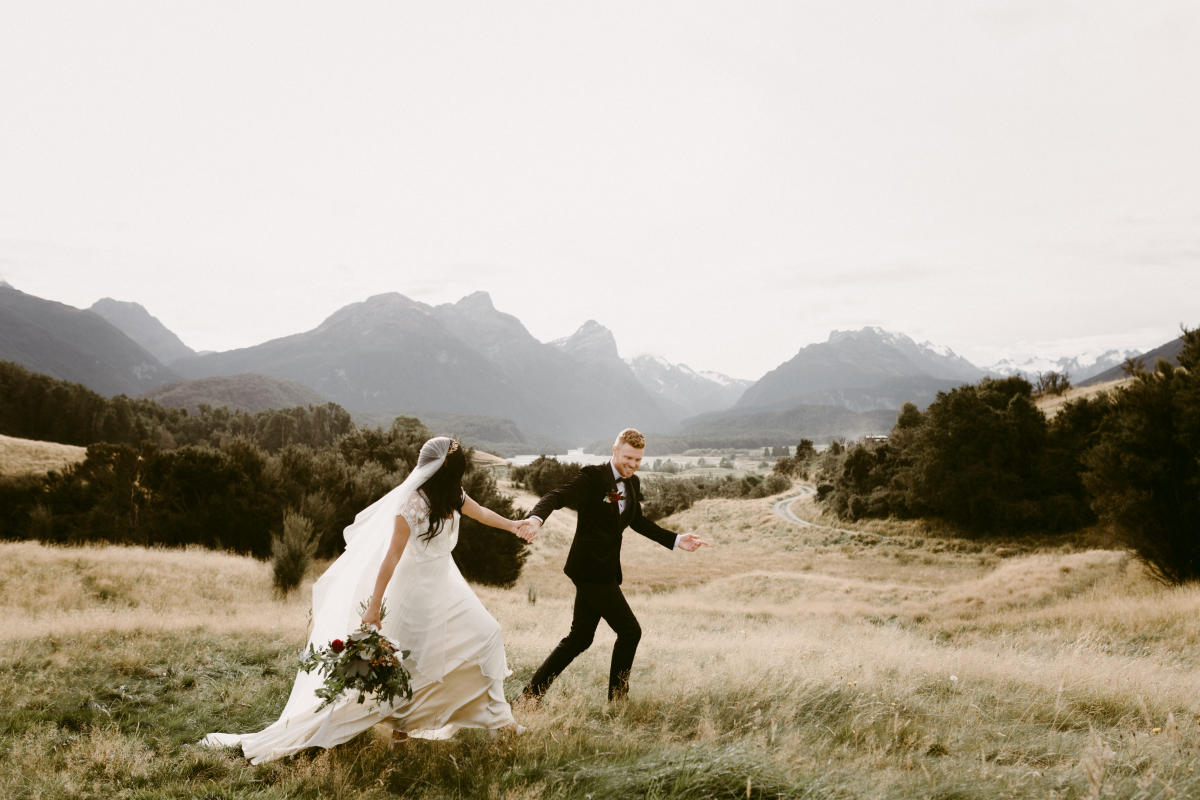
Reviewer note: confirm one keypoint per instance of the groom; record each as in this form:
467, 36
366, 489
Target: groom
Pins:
607, 498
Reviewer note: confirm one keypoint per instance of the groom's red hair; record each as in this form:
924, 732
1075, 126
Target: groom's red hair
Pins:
631, 437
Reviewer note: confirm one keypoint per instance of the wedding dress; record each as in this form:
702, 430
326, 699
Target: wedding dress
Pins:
456, 658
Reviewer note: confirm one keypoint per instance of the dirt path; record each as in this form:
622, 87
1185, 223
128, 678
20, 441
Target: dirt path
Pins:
784, 509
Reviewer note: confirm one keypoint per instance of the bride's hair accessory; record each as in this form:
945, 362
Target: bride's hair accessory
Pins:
443, 491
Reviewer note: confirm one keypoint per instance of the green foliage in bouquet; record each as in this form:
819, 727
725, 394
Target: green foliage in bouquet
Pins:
366, 662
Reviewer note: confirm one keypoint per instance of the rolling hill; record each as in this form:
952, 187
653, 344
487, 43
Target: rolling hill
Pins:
249, 393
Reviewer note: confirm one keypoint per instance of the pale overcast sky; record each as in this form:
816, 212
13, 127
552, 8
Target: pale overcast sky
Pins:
720, 183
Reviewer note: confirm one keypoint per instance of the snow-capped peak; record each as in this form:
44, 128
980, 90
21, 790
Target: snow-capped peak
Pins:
1077, 368
939, 349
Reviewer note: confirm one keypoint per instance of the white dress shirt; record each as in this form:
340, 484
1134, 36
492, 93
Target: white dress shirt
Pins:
621, 503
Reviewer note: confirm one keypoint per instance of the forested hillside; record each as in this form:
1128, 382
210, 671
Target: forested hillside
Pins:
985, 459
219, 478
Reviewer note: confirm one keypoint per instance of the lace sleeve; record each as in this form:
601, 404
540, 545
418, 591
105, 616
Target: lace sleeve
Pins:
415, 512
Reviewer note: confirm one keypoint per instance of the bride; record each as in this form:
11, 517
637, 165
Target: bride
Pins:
398, 557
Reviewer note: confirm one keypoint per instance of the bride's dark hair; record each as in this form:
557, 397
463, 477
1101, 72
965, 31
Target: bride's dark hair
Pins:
443, 490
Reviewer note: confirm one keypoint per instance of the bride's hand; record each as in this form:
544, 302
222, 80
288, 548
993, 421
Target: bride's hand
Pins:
526, 529
372, 618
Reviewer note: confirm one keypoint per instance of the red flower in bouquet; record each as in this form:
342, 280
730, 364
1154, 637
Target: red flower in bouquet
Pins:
366, 663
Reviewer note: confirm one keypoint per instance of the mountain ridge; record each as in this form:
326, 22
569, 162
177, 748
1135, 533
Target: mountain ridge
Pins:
138, 324
72, 344
867, 364
683, 391
1168, 351
470, 362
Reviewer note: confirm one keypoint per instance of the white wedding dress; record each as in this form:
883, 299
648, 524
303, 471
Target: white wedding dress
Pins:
456, 655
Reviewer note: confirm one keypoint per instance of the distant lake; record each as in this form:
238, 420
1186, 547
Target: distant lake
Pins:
580, 457
576, 456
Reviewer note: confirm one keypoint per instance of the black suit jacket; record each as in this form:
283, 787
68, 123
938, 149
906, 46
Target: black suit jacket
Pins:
595, 555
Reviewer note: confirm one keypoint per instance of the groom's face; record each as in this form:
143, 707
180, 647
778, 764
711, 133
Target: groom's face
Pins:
627, 458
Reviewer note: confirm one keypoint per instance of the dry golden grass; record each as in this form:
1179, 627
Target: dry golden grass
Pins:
80, 590
1050, 404
26, 456
804, 661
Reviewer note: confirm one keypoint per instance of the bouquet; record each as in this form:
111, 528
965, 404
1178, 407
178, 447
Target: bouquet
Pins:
366, 661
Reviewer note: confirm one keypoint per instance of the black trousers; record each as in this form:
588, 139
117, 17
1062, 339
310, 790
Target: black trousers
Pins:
593, 602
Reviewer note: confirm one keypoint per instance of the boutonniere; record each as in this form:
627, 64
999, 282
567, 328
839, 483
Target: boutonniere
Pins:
613, 496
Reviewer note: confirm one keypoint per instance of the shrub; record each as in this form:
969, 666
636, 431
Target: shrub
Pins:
544, 474
41, 523
857, 507
485, 554
666, 496
292, 551
774, 484
18, 496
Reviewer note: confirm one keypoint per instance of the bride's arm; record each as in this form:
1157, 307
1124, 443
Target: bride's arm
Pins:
390, 560
487, 516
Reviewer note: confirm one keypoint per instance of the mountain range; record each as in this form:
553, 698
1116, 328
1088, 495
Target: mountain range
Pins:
1079, 369
470, 367
390, 354
864, 370
65, 342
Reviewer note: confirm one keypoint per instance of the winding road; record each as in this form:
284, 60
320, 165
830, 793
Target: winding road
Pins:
784, 509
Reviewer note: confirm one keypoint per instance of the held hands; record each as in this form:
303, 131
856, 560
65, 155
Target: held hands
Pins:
690, 542
527, 529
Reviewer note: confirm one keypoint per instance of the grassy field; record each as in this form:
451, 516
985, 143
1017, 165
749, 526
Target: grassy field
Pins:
780, 662
26, 456
1051, 404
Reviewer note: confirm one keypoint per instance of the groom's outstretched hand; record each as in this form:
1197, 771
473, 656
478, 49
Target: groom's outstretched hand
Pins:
690, 541
528, 529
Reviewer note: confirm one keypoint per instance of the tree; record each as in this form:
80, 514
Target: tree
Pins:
1144, 471
1055, 383
909, 417
544, 474
1134, 365
975, 456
